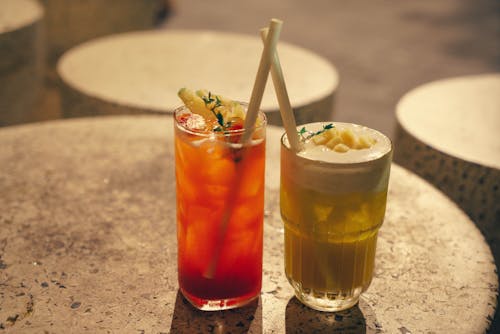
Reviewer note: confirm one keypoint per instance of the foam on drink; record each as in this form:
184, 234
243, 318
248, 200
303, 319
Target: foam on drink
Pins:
363, 167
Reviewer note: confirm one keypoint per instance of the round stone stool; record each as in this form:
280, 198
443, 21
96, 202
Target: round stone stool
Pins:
21, 59
69, 23
448, 132
141, 72
72, 22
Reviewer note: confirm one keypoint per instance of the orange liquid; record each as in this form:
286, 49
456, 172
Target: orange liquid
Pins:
220, 211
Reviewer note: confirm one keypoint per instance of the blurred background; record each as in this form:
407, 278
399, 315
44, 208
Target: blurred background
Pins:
381, 49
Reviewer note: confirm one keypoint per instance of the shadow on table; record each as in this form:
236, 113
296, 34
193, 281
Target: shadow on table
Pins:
302, 319
187, 319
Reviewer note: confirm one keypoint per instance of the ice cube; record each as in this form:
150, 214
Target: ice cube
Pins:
196, 122
322, 212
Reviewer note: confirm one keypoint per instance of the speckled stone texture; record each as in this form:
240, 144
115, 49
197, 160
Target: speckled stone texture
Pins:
88, 244
448, 133
474, 187
21, 59
112, 75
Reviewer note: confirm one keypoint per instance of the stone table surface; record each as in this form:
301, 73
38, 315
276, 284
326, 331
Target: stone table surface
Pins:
88, 244
140, 72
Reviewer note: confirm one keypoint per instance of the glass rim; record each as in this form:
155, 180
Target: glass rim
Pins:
225, 133
338, 164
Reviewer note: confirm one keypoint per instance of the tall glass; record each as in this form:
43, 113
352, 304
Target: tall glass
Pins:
220, 212
333, 205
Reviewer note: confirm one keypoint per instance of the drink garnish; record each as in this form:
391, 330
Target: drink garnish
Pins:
339, 140
208, 103
220, 114
303, 131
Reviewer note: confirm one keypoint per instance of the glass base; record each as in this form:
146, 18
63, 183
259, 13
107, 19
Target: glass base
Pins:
326, 301
218, 304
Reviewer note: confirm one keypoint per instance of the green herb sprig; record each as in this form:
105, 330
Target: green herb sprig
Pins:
209, 103
218, 103
306, 135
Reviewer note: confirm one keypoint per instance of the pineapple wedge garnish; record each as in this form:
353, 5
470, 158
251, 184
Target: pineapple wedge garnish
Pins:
195, 104
213, 107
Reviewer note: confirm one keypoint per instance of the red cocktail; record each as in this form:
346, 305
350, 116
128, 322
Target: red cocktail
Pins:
220, 205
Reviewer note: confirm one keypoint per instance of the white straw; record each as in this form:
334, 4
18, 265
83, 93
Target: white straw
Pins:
286, 110
261, 78
251, 116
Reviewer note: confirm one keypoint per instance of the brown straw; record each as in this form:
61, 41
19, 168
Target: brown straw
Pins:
251, 116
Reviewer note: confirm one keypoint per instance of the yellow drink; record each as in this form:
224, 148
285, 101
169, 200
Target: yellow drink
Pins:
333, 205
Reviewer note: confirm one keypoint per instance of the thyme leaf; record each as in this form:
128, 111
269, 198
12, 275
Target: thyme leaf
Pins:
220, 118
209, 103
325, 128
306, 135
207, 99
